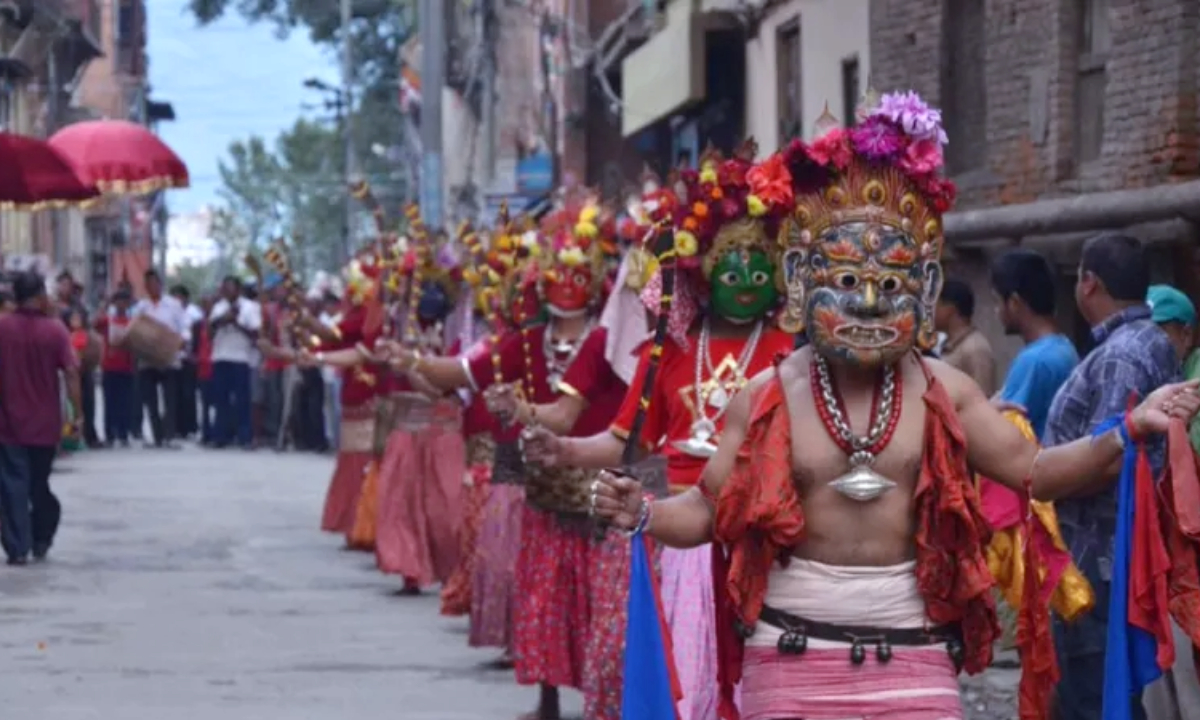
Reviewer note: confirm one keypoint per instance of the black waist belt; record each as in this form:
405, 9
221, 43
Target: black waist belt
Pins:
797, 630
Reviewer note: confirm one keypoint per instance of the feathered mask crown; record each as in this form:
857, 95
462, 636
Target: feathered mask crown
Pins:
886, 168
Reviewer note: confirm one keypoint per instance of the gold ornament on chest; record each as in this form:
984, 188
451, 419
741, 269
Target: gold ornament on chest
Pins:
710, 394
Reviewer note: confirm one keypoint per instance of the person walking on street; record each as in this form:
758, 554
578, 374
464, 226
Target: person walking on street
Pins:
151, 380
234, 323
34, 348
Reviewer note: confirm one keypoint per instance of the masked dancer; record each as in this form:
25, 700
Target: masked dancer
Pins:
565, 356
854, 581
720, 334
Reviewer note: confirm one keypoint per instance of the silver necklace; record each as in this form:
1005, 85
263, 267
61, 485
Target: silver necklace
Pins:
861, 483
700, 440
560, 354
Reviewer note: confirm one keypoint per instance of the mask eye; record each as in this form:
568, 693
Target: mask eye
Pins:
579, 280
846, 281
890, 284
760, 278
729, 278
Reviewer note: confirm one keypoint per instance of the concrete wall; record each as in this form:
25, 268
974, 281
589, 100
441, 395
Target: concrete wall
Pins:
830, 32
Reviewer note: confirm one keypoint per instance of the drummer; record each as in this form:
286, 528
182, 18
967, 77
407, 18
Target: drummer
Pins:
169, 312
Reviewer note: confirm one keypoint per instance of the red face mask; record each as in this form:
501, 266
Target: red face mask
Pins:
571, 292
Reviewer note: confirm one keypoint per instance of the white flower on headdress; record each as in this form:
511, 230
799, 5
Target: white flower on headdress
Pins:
572, 256
529, 239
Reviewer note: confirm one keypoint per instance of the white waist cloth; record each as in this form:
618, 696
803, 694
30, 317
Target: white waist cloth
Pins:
878, 597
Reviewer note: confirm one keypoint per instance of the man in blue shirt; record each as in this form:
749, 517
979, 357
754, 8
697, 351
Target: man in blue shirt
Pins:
1132, 357
1023, 282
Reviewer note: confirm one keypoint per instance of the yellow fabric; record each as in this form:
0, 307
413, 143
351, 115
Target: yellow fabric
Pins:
1074, 596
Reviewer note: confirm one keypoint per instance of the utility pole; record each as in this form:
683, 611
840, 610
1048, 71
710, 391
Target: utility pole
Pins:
348, 126
489, 29
549, 101
433, 71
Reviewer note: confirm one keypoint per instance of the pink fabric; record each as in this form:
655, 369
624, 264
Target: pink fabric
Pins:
552, 615
822, 684
420, 504
687, 595
603, 669
493, 579
342, 498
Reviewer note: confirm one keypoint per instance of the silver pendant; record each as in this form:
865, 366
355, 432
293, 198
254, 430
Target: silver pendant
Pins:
554, 380
699, 444
862, 484
718, 398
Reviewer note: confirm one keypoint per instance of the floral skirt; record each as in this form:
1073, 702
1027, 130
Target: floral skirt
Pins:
687, 596
366, 513
493, 578
456, 593
604, 664
553, 617
354, 454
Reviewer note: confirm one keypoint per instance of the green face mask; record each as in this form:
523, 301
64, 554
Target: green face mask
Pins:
743, 286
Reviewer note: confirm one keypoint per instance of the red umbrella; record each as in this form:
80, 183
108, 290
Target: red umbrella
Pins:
33, 175
120, 157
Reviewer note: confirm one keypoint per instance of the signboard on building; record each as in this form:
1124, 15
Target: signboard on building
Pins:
535, 174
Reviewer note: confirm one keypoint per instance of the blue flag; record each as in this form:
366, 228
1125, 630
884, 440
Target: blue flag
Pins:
1130, 663
650, 679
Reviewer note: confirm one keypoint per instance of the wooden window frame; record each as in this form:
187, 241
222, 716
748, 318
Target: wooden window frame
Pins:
850, 100
1091, 66
786, 77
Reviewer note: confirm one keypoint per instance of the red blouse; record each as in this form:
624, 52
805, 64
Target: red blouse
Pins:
589, 376
673, 400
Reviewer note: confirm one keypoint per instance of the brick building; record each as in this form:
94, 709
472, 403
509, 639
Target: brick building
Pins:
1065, 117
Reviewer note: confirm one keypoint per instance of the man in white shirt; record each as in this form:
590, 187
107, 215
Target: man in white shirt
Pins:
187, 418
151, 380
234, 324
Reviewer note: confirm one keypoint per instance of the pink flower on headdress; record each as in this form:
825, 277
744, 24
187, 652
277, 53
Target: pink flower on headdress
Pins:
832, 149
878, 140
913, 116
922, 158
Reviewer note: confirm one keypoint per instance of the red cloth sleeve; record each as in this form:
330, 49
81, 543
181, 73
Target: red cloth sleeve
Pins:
653, 428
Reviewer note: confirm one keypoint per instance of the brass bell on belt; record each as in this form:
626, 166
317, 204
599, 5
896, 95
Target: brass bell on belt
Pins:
792, 642
858, 654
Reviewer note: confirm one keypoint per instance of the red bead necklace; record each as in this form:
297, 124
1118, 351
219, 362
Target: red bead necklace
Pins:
887, 398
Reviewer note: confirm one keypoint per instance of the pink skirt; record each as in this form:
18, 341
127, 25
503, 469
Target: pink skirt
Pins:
420, 504
552, 619
687, 595
604, 663
354, 455
493, 583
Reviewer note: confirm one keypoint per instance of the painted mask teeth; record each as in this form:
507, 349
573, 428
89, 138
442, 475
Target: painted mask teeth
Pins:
867, 335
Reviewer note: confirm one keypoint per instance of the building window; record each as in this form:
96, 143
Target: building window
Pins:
787, 74
126, 22
964, 84
1094, 45
851, 90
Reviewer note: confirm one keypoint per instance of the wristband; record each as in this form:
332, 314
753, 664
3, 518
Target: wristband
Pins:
1130, 434
643, 521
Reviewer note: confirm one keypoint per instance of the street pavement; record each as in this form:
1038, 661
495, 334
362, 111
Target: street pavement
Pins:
195, 585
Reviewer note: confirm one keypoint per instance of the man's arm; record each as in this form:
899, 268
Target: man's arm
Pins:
558, 417
996, 448
602, 450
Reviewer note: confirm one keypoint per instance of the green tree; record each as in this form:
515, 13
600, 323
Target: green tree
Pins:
291, 189
198, 279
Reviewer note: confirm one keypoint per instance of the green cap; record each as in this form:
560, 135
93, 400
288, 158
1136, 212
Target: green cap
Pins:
1170, 305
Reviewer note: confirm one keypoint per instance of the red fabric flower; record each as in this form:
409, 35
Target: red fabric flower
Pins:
832, 149
771, 182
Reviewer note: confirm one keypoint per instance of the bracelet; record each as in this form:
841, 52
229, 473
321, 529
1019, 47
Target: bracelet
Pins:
1127, 422
643, 521
416, 360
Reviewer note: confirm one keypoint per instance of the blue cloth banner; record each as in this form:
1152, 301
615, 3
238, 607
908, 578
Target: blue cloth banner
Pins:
1131, 662
649, 684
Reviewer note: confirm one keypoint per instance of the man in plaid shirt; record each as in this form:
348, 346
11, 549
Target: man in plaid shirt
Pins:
1132, 356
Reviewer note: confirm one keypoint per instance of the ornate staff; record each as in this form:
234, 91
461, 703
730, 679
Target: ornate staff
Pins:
664, 251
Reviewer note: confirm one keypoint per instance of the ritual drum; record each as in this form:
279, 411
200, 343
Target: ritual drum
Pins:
151, 342
92, 351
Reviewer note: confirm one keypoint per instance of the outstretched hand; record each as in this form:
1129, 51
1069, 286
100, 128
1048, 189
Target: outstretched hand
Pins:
539, 446
1177, 400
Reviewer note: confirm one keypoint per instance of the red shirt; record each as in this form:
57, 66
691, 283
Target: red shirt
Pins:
115, 359
673, 400
359, 384
204, 361
273, 316
33, 348
522, 360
